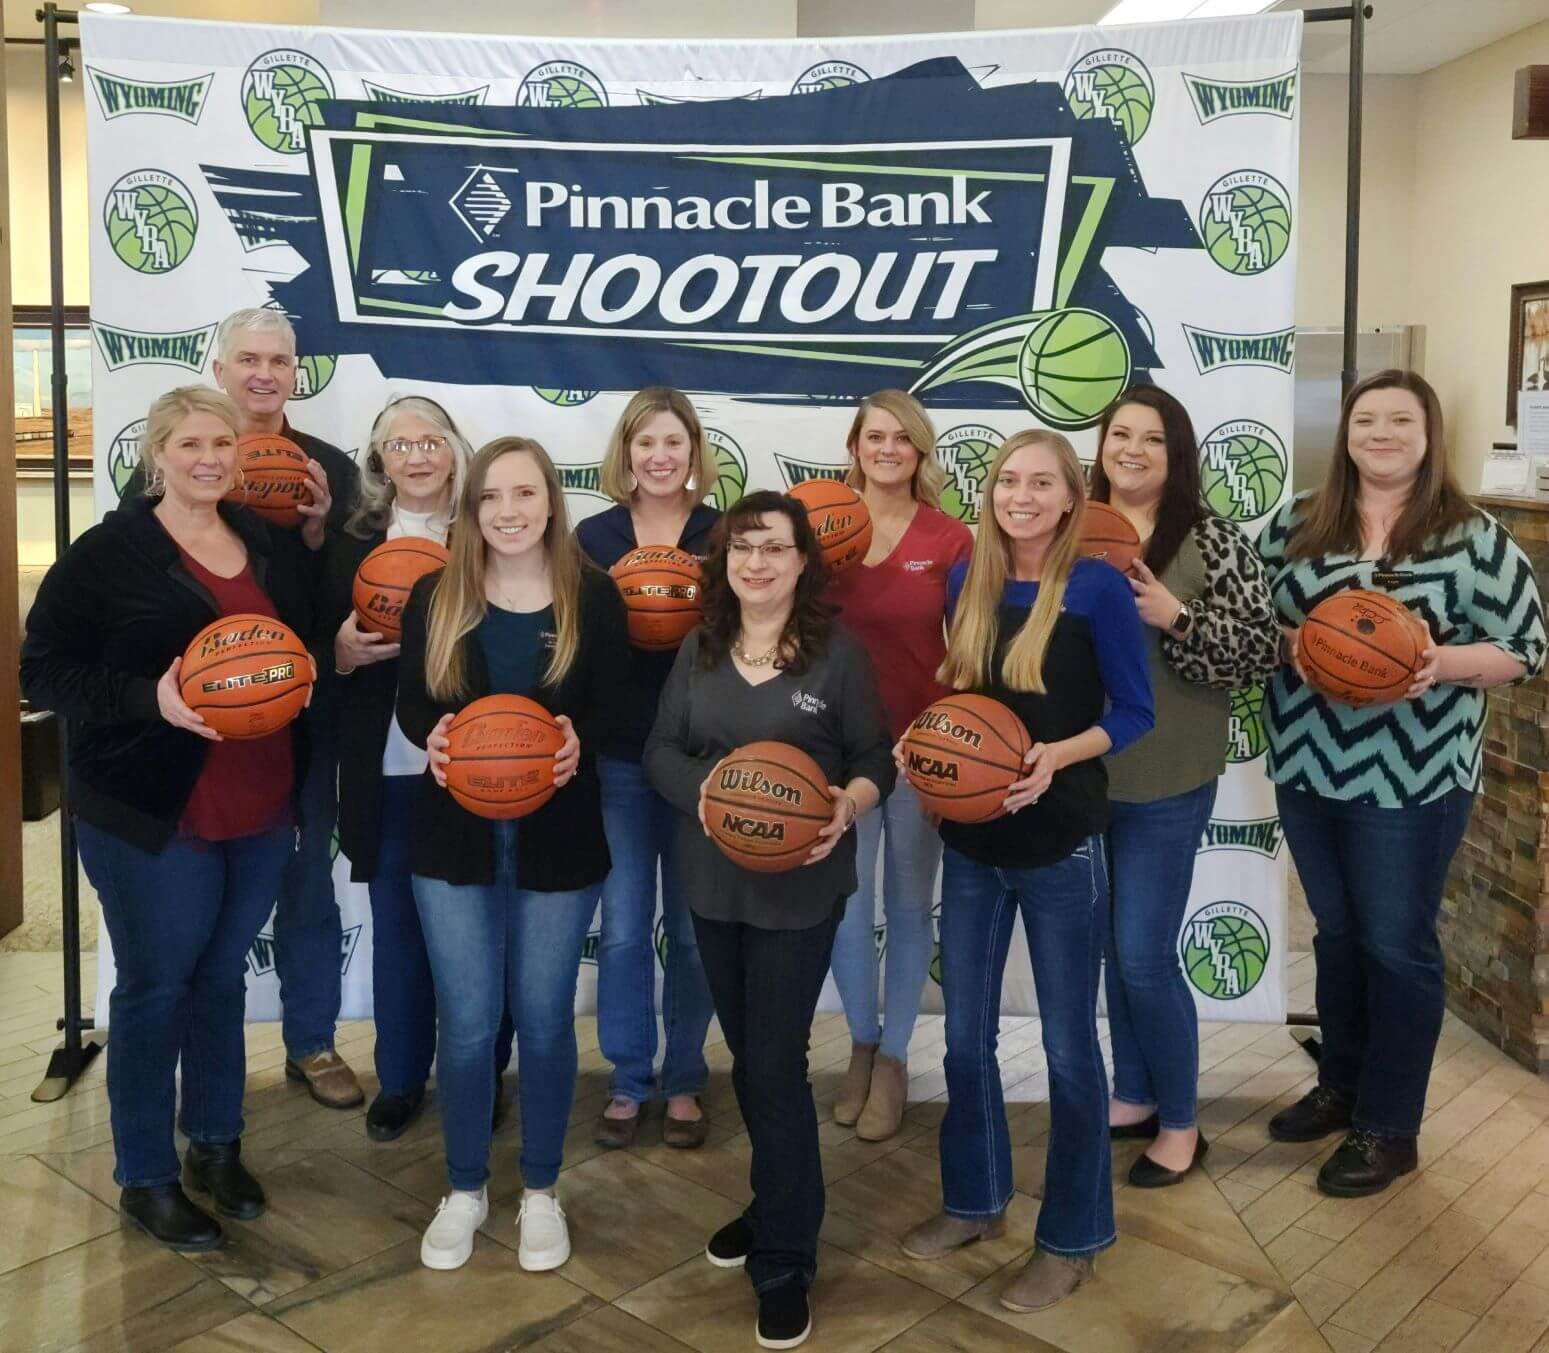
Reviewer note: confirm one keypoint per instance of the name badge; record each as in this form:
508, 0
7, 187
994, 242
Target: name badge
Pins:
1389, 578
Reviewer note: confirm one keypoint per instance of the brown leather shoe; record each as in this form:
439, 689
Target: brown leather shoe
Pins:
938, 1237
617, 1133
686, 1134
1047, 1279
856, 1084
328, 1077
884, 1111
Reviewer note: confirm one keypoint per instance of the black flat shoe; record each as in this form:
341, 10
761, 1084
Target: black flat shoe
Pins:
728, 1247
784, 1316
1318, 1113
166, 1214
390, 1115
1145, 1173
1144, 1130
1366, 1163
217, 1169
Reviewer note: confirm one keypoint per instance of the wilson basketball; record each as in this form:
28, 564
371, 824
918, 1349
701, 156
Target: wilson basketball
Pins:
385, 578
660, 587
1361, 648
502, 749
765, 806
273, 479
962, 754
246, 675
839, 519
1106, 533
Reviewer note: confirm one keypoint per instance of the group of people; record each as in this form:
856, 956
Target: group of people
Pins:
1122, 680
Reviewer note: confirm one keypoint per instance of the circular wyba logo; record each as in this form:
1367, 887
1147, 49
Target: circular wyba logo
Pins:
313, 375
1246, 739
151, 220
1243, 469
731, 469
564, 399
1116, 85
561, 84
1225, 949
1072, 365
1245, 221
282, 95
966, 453
828, 75
124, 455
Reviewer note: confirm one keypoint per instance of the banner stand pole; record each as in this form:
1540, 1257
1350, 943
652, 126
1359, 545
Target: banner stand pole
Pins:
75, 1054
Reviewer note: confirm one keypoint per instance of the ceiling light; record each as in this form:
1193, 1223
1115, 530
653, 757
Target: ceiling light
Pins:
1160, 11
66, 71
98, 8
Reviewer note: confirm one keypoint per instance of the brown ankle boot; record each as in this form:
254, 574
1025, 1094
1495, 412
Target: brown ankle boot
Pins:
1047, 1279
942, 1234
884, 1111
856, 1084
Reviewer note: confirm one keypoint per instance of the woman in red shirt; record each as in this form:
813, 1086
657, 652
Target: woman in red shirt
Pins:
895, 602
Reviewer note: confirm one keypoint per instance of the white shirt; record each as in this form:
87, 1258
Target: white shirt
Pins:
400, 756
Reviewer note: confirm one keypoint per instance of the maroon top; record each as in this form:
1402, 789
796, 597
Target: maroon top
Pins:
245, 785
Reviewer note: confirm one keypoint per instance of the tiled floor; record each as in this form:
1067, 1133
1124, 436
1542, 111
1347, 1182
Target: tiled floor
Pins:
1247, 1256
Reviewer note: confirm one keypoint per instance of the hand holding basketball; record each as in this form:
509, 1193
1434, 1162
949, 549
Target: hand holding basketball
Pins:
1157, 606
843, 819
1040, 763
1428, 674
438, 745
1290, 647
354, 647
169, 699
315, 511
568, 757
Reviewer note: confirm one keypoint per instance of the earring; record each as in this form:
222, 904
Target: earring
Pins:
690, 484
241, 480
634, 484
155, 483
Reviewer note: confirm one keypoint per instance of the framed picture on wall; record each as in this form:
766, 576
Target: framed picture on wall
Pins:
33, 362
1527, 366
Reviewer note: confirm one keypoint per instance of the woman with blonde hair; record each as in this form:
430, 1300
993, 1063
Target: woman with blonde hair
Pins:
1055, 638
505, 905
895, 603
658, 471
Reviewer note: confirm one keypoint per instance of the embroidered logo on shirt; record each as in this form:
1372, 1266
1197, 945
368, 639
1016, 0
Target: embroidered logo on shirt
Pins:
808, 704
918, 565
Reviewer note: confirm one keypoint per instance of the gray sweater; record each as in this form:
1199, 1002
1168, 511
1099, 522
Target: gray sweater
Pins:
831, 711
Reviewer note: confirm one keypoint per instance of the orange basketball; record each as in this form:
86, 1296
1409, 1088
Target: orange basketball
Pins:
502, 749
274, 478
1361, 648
765, 805
385, 578
1106, 533
962, 754
839, 518
660, 587
246, 675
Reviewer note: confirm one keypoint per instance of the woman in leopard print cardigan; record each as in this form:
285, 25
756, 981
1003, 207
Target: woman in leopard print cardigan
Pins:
1200, 588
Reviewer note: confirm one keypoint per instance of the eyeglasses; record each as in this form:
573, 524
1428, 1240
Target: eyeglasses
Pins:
774, 552
400, 447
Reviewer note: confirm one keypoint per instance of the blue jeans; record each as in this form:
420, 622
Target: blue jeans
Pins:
491, 944
1062, 908
642, 828
913, 853
1151, 848
181, 923
308, 935
1374, 878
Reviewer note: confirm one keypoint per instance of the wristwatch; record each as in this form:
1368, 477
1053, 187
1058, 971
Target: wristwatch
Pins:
1183, 622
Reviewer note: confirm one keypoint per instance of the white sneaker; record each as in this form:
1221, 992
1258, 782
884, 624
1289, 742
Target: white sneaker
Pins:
545, 1239
449, 1238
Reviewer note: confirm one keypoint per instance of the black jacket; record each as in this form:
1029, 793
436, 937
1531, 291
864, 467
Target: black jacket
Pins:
561, 846
110, 616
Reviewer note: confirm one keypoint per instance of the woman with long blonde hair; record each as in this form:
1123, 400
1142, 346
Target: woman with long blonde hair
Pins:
1056, 639
505, 905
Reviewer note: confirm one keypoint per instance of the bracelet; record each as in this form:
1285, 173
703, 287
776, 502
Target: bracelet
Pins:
342, 671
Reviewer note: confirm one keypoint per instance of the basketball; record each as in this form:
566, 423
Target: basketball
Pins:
765, 806
1072, 365
273, 479
839, 519
1106, 533
962, 754
385, 578
246, 675
502, 749
1361, 648
660, 587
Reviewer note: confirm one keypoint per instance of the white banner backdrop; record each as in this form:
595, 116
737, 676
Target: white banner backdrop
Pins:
1113, 203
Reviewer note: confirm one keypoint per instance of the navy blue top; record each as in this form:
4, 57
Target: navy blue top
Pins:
516, 647
606, 538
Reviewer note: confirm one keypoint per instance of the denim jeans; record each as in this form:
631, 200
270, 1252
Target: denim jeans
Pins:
1151, 848
308, 934
491, 944
766, 985
642, 828
1374, 878
913, 854
181, 923
1062, 908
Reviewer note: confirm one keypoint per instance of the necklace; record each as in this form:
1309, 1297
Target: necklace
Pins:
748, 660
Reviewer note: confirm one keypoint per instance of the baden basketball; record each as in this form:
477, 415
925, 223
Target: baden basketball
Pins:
962, 754
246, 675
1106, 533
502, 749
273, 480
839, 518
765, 805
660, 587
1361, 648
385, 578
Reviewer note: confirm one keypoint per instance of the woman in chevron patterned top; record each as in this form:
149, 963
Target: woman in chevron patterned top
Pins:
1374, 800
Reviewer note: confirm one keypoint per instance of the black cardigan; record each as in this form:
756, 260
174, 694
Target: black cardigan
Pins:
110, 616
561, 846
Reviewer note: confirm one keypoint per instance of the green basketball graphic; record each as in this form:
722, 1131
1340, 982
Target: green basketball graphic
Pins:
1246, 739
312, 374
1116, 85
151, 220
1245, 222
1225, 949
282, 95
731, 469
124, 455
966, 454
564, 399
561, 84
1072, 365
1243, 469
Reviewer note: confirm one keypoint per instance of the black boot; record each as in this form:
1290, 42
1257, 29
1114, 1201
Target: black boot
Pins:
390, 1115
1366, 1163
165, 1213
216, 1168
1318, 1113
